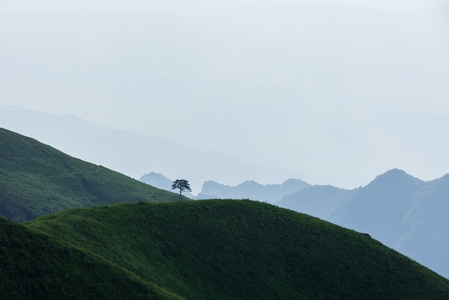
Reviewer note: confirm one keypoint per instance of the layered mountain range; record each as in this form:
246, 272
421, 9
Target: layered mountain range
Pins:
395, 208
403, 212
251, 190
92, 233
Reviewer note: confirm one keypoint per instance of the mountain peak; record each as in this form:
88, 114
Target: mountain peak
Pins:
394, 177
395, 172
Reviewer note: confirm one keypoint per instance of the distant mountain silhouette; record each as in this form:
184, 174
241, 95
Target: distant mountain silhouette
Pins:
401, 211
251, 190
157, 180
317, 200
379, 207
424, 229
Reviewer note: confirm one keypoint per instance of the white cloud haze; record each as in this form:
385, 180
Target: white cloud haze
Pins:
340, 93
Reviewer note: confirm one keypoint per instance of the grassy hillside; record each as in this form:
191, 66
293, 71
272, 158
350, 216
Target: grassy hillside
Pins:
239, 250
37, 180
35, 266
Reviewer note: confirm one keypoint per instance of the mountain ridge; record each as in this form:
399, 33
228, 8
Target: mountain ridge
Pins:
251, 190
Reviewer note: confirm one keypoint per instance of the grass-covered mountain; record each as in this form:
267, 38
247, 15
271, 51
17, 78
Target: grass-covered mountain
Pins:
36, 180
202, 250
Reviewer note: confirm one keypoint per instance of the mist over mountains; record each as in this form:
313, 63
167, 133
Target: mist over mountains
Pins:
273, 101
403, 212
116, 236
265, 81
133, 154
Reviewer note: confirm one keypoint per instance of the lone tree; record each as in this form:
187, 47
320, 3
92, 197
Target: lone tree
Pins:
182, 185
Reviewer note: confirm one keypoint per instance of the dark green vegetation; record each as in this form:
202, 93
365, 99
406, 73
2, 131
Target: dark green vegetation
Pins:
36, 180
35, 266
219, 250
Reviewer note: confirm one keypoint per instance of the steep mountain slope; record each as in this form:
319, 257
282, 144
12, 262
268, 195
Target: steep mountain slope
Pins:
251, 190
36, 179
424, 229
241, 250
379, 207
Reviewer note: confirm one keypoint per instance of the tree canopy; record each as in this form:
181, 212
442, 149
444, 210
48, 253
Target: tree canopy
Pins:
182, 185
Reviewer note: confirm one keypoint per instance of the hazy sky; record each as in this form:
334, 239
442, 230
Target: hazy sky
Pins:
340, 93
173, 5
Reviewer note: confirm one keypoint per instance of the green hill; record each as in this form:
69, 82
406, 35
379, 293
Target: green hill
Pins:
225, 250
35, 266
36, 180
